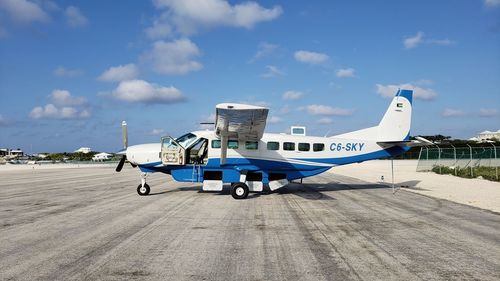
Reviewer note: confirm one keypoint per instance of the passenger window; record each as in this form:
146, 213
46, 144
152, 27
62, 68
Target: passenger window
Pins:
215, 143
288, 146
252, 145
232, 144
273, 145
318, 147
304, 146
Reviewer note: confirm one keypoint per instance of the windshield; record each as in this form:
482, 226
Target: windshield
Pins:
186, 140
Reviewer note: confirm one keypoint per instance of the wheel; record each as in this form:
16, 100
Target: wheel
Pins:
143, 190
239, 190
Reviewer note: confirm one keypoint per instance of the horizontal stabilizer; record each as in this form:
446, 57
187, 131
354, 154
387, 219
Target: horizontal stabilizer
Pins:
420, 141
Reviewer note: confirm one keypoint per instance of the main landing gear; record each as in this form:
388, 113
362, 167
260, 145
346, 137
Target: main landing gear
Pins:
143, 188
239, 190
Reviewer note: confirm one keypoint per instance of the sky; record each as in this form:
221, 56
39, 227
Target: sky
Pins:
71, 71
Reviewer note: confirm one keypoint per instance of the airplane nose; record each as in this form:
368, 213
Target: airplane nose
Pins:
122, 152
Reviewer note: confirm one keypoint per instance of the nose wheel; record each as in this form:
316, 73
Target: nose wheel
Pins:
143, 189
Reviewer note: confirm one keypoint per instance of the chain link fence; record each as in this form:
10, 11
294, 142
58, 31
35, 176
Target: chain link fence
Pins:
462, 161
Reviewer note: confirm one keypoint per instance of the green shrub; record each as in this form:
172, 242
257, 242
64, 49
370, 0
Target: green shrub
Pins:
488, 173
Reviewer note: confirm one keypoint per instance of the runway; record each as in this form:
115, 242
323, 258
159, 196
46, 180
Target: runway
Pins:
90, 224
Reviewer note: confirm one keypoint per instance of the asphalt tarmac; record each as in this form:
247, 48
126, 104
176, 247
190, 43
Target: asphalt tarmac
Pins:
90, 224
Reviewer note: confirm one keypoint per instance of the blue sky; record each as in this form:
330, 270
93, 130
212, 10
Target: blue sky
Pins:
71, 71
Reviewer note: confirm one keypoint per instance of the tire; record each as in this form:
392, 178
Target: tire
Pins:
239, 190
143, 191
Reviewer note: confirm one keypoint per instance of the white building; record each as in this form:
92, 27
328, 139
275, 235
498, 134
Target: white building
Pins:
11, 153
488, 135
83, 150
102, 156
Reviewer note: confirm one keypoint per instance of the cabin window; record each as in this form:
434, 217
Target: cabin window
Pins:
304, 146
273, 145
288, 146
215, 143
186, 140
318, 146
232, 144
252, 145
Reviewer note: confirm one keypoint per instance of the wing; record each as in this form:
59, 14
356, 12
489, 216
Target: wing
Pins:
239, 121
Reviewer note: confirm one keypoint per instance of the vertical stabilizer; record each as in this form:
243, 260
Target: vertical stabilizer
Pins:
395, 125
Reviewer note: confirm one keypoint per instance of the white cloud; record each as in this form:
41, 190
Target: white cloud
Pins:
345, 72
485, 112
388, 91
160, 29
61, 71
74, 17
274, 120
120, 73
62, 106
319, 109
51, 111
440, 42
189, 15
325, 121
492, 3
413, 42
24, 11
272, 71
140, 91
292, 95
310, 57
264, 49
157, 132
64, 98
176, 57
449, 112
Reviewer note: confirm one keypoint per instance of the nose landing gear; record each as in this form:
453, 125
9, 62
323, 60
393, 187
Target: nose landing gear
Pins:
143, 188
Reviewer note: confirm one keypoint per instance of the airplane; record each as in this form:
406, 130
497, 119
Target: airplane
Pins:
238, 152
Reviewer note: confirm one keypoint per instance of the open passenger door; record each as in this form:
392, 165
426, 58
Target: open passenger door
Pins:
172, 153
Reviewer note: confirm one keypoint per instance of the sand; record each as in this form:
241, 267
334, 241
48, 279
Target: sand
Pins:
474, 192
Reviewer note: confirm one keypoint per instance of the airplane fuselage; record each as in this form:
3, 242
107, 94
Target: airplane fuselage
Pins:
293, 156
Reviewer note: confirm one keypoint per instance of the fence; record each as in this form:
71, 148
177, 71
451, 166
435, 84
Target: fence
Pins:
459, 158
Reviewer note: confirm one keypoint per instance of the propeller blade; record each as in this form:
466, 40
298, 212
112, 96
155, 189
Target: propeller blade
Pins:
124, 134
120, 165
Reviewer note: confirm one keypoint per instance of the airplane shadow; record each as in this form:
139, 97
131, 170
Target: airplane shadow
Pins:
315, 191
310, 191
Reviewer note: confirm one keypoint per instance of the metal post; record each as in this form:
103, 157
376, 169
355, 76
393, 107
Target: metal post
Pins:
439, 160
496, 164
470, 163
455, 159
392, 173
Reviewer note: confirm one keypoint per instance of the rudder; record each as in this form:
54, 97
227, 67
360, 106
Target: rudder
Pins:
396, 123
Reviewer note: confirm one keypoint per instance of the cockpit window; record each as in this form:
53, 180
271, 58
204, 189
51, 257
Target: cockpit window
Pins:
186, 140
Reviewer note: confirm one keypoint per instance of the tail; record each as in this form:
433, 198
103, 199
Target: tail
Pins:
396, 123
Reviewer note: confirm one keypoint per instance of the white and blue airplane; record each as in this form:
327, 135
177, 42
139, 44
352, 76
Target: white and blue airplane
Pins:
239, 152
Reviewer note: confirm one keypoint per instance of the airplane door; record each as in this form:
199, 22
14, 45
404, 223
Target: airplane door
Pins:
172, 153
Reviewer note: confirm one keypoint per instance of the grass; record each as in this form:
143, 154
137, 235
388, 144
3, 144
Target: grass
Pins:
488, 173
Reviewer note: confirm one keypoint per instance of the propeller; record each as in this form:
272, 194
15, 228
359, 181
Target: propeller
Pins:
125, 145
